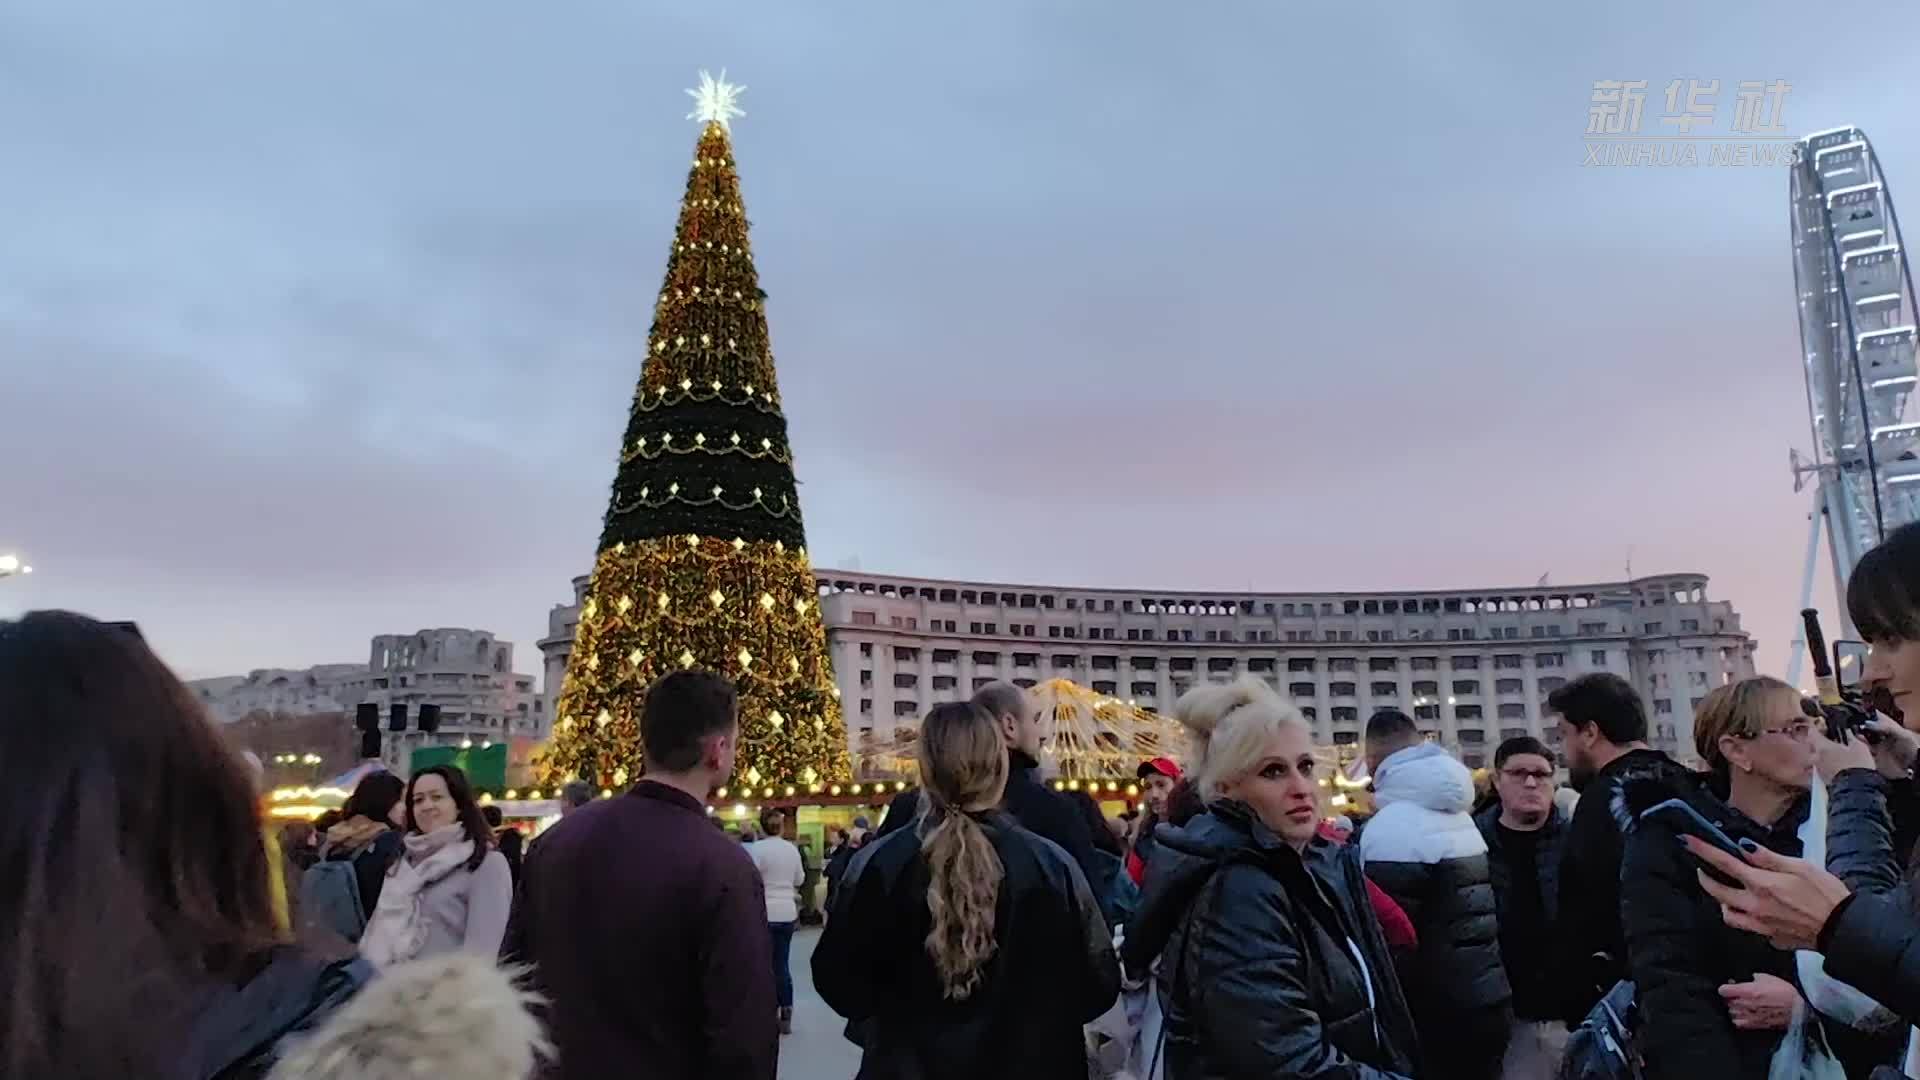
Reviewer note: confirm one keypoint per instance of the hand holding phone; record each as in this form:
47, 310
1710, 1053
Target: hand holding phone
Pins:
1684, 820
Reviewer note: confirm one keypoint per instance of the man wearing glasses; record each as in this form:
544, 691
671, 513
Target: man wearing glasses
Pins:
1525, 835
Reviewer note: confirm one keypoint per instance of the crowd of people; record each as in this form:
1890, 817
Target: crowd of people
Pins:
1748, 913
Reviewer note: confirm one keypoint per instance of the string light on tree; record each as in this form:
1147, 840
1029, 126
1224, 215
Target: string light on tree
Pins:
702, 560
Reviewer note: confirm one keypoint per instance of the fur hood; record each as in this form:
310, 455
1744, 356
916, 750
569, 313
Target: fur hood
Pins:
1427, 776
454, 1015
354, 834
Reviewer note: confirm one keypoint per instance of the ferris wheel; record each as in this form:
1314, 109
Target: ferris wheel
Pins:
1857, 318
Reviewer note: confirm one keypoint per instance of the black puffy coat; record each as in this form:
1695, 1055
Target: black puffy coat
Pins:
1257, 976
1680, 951
1424, 850
1052, 970
1872, 941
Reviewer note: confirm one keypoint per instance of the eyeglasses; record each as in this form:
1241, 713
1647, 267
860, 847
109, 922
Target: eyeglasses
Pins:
1798, 731
1538, 776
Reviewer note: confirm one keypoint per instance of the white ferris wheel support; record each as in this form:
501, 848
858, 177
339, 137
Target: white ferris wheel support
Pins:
1857, 319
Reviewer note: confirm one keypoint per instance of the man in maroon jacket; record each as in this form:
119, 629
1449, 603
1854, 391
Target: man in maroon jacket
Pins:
646, 926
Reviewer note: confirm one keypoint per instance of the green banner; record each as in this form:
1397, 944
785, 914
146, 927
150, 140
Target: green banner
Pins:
485, 766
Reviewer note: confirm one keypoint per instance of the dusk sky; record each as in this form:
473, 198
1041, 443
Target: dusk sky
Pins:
319, 320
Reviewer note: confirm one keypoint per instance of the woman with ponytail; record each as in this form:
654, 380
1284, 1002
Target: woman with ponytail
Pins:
966, 946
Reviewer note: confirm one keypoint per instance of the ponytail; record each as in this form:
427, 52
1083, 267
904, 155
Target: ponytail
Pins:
964, 766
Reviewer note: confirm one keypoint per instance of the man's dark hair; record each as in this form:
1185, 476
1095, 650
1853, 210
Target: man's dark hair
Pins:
1883, 595
1521, 744
1391, 725
1603, 700
681, 710
576, 793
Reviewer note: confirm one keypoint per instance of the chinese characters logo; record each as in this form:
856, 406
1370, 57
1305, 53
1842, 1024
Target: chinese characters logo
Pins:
1686, 133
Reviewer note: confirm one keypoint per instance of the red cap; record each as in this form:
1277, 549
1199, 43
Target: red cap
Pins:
1164, 766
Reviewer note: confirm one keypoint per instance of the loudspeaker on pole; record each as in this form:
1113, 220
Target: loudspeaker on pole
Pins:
396, 718
366, 716
429, 718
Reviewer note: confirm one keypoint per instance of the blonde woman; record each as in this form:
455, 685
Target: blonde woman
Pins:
1271, 961
966, 946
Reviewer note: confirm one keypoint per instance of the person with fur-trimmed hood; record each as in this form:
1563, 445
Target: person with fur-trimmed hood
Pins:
1423, 850
452, 1015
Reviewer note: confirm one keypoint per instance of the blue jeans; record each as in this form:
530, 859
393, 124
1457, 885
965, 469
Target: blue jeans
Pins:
782, 969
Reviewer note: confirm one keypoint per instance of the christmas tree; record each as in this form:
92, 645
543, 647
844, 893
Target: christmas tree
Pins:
702, 562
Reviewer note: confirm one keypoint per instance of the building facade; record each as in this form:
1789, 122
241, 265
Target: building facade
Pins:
467, 673
289, 691
1472, 666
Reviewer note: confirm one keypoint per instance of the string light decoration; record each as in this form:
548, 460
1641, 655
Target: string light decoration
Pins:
1094, 739
702, 560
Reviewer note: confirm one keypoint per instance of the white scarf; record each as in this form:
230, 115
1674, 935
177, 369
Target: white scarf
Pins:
398, 929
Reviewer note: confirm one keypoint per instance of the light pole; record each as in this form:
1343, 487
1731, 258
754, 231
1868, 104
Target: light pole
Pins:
10, 565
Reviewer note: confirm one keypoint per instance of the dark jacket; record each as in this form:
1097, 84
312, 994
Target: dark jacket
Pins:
371, 847
1039, 810
1256, 974
1593, 946
1424, 851
1052, 969
647, 929
1680, 951
1553, 844
1872, 940
237, 1031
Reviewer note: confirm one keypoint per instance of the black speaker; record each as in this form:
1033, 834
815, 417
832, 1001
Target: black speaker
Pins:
396, 718
429, 721
366, 716
370, 743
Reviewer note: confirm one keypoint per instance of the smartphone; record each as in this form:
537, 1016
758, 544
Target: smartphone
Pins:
1683, 819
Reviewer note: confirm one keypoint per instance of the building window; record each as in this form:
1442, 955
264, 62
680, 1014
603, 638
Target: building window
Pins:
1466, 712
992, 628
1385, 689
1025, 659
973, 628
1426, 712
945, 682
1180, 663
906, 708
1697, 652
905, 682
1508, 661
866, 678
1309, 712
1341, 689
1507, 686
1301, 689
1426, 688
1345, 714
1341, 663
1063, 662
1696, 678
1106, 663
1145, 663
1473, 760
1689, 626
1513, 710
1424, 663
1598, 658
1663, 707
1550, 659
864, 618
1656, 656
906, 656
1473, 737
1653, 628
1144, 689
1465, 663
866, 706
866, 649
1104, 687
1053, 631
1300, 663
1549, 683
1593, 628
986, 659
945, 656
1257, 665
1466, 686
981, 682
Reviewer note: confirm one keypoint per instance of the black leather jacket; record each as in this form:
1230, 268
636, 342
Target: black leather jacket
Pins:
1872, 941
1256, 944
237, 1032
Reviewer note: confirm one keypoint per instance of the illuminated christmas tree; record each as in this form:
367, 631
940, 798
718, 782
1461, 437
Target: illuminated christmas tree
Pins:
702, 561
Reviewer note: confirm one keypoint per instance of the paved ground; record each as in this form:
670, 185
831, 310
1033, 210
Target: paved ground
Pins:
816, 1050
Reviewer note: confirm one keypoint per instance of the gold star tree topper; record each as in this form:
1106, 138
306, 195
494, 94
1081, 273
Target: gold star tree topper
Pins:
716, 100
